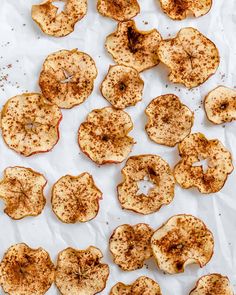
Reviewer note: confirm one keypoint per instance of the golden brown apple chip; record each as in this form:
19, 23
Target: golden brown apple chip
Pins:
182, 240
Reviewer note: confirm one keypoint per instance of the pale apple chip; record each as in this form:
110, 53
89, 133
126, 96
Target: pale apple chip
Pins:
130, 245
191, 57
30, 124
22, 191
169, 121
58, 24
67, 78
26, 271
133, 48
120, 10
103, 137
81, 271
76, 198
150, 168
220, 105
180, 9
213, 284
182, 240
142, 286
122, 87
188, 173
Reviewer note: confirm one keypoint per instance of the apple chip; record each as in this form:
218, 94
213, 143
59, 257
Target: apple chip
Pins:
169, 121
130, 245
103, 137
26, 271
58, 24
76, 198
213, 284
195, 148
120, 10
122, 87
220, 105
131, 47
81, 271
191, 57
151, 168
182, 240
22, 191
30, 125
67, 78
142, 286
180, 9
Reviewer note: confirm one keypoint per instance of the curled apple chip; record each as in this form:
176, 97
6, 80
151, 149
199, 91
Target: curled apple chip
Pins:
182, 240
120, 10
220, 105
130, 245
133, 48
81, 271
195, 148
76, 198
122, 87
26, 271
180, 9
67, 78
191, 57
213, 284
151, 168
169, 121
103, 137
30, 124
22, 191
142, 286
58, 24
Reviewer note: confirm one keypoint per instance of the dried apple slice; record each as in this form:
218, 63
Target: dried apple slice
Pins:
103, 137
22, 191
133, 48
213, 284
67, 78
197, 147
191, 57
169, 121
146, 167
182, 240
26, 271
30, 124
220, 105
81, 271
180, 9
122, 87
58, 24
130, 245
76, 198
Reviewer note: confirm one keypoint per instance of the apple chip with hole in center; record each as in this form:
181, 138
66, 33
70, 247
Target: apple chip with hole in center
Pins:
26, 271
76, 198
188, 173
58, 24
30, 124
190, 56
81, 271
103, 137
22, 191
67, 78
220, 105
169, 121
153, 169
130, 245
182, 240
133, 48
122, 87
